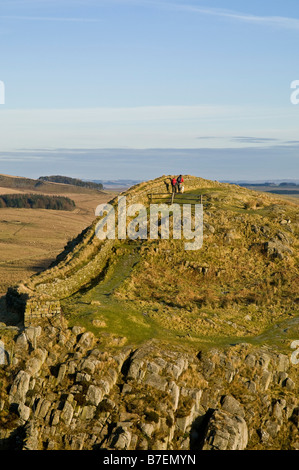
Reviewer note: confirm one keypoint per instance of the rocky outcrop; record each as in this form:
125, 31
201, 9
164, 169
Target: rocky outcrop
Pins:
69, 391
226, 431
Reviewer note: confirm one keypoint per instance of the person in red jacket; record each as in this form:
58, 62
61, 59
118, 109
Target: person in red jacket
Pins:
174, 185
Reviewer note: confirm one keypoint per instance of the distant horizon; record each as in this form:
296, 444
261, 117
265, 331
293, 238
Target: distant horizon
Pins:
125, 181
247, 163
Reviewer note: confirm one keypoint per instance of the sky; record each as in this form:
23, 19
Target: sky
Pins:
115, 89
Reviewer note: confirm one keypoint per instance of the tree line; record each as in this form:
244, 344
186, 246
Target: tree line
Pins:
37, 201
73, 181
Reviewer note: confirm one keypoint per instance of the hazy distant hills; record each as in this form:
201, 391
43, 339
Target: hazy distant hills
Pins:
48, 184
117, 184
127, 183
283, 182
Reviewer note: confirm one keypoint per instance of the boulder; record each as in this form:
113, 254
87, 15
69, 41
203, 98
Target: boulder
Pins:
277, 249
88, 412
24, 412
19, 387
34, 364
89, 365
175, 394
156, 381
32, 333
42, 408
265, 380
61, 373
94, 395
123, 439
31, 440
225, 432
231, 405
283, 363
67, 413
21, 341
86, 340
135, 369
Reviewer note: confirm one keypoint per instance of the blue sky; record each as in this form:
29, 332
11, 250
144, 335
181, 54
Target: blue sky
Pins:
138, 88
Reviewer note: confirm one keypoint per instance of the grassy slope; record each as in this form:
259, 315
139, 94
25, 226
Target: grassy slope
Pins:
228, 290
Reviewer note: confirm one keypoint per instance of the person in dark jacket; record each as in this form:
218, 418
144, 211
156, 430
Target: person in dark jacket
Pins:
180, 182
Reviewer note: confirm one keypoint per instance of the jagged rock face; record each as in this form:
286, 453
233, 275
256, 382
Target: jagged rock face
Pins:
226, 431
66, 390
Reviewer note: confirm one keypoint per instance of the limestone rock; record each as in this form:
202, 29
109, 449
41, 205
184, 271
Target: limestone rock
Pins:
289, 384
19, 387
94, 395
265, 379
88, 412
147, 428
175, 394
123, 440
231, 405
283, 363
31, 441
67, 413
134, 371
226, 432
42, 408
61, 373
156, 381
277, 249
86, 341
21, 341
24, 412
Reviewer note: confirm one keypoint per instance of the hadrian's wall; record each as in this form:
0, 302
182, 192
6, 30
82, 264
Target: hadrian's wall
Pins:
31, 310
40, 296
38, 309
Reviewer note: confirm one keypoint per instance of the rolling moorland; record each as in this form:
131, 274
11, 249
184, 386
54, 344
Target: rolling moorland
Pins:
157, 347
31, 239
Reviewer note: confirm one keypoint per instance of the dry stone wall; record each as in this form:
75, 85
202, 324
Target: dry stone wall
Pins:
82, 262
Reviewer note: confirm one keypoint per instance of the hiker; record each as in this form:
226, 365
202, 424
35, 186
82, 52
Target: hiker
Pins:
180, 182
174, 185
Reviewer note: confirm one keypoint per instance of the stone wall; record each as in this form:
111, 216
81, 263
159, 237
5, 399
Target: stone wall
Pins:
80, 263
31, 309
37, 309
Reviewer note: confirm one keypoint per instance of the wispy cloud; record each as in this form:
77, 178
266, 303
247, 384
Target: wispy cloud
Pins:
254, 140
147, 127
273, 21
278, 21
50, 18
282, 22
